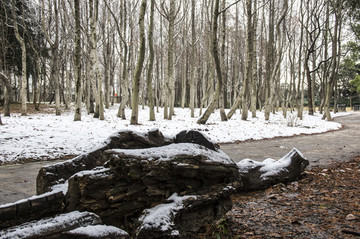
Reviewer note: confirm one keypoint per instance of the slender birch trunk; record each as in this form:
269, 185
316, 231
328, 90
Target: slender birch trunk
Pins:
151, 63
215, 53
139, 66
78, 83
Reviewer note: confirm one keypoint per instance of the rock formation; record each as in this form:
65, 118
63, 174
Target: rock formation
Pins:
139, 179
145, 183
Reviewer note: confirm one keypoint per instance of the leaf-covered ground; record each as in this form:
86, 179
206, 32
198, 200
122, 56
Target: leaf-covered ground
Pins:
325, 203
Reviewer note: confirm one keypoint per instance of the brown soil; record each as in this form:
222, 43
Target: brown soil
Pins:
323, 204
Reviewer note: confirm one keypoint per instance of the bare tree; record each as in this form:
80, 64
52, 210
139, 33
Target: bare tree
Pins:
8, 91
215, 53
95, 75
276, 67
192, 82
54, 46
78, 83
151, 63
170, 15
337, 7
139, 66
21, 40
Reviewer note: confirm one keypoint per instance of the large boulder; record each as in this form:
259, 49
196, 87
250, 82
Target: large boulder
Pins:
261, 175
51, 175
139, 179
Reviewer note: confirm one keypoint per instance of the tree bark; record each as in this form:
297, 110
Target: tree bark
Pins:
223, 92
215, 53
151, 63
95, 75
269, 63
126, 57
21, 41
249, 61
254, 78
300, 86
78, 83
170, 82
138, 69
334, 51
54, 46
274, 77
192, 82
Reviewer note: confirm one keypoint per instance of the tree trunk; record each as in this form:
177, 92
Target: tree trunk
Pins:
334, 51
95, 76
56, 61
192, 82
138, 69
254, 78
151, 63
8, 92
78, 88
269, 63
21, 41
223, 92
203, 119
126, 57
249, 60
170, 82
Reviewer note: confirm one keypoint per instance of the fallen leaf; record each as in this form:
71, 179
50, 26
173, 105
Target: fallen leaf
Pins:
350, 217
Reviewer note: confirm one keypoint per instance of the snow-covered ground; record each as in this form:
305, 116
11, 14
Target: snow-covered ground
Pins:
44, 136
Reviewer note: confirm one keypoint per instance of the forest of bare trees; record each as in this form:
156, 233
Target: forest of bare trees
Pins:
210, 54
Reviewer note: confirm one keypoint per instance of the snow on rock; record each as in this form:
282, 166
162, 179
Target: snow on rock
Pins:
97, 231
51, 225
268, 167
161, 215
46, 136
169, 152
259, 175
56, 189
97, 171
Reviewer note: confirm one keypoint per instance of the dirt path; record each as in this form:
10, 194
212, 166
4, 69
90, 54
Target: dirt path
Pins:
18, 181
319, 149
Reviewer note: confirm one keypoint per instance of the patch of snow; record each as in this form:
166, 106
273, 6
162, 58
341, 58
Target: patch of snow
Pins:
98, 171
98, 231
160, 215
169, 152
182, 164
46, 136
62, 187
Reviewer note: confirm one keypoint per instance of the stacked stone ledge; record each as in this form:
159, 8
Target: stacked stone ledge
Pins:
132, 173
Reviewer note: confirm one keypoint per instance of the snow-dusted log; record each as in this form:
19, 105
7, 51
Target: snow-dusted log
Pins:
260, 175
